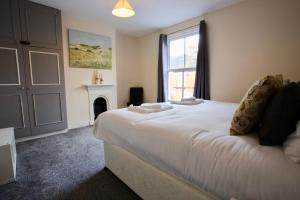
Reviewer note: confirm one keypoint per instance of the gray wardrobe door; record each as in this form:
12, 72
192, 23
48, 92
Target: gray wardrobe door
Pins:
13, 99
9, 22
41, 25
45, 89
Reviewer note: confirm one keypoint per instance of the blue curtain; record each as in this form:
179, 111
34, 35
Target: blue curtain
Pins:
201, 89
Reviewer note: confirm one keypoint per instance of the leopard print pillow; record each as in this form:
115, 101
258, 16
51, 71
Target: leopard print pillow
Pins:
251, 108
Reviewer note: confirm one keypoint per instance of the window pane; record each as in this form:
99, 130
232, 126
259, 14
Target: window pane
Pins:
175, 86
177, 54
188, 92
191, 50
189, 83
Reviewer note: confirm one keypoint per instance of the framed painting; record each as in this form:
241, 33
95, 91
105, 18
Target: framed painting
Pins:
88, 50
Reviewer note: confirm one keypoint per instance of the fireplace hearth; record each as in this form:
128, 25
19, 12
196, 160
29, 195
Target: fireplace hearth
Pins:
100, 106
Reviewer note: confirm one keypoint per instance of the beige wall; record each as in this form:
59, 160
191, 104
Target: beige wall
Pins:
246, 42
148, 59
76, 94
128, 70
124, 73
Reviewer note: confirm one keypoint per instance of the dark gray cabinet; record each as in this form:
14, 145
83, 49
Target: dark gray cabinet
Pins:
46, 91
13, 94
41, 25
10, 32
32, 88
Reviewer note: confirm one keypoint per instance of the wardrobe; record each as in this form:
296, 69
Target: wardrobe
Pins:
32, 88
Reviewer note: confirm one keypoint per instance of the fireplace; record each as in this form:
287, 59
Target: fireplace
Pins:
101, 98
100, 106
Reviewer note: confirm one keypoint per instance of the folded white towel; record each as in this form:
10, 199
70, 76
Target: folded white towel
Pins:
191, 102
188, 99
140, 109
151, 105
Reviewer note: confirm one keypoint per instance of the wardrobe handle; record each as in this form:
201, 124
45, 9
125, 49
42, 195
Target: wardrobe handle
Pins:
22, 88
24, 42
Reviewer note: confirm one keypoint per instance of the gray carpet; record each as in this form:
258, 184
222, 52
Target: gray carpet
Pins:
66, 166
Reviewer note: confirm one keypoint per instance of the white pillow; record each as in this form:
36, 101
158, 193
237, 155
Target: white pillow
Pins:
291, 146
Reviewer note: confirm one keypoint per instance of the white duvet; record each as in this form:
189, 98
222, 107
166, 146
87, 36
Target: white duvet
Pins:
193, 142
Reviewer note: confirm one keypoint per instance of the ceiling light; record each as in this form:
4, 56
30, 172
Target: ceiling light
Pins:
123, 9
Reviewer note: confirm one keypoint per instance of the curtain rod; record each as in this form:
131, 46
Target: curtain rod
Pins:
183, 29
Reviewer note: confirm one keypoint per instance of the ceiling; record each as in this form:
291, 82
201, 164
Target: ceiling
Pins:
150, 15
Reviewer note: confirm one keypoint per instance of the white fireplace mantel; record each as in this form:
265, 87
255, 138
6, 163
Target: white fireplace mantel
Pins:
97, 86
106, 91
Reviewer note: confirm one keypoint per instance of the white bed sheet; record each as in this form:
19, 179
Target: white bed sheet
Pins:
193, 142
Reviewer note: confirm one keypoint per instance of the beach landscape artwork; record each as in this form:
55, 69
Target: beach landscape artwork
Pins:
88, 50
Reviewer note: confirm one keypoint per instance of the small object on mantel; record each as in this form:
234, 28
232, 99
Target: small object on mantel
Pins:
8, 156
98, 78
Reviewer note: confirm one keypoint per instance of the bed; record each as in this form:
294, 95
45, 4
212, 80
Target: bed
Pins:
187, 153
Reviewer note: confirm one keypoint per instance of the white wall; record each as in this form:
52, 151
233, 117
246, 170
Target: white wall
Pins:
246, 42
125, 71
148, 61
128, 69
75, 78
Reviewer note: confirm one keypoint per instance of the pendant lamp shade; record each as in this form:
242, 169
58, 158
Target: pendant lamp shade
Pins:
123, 9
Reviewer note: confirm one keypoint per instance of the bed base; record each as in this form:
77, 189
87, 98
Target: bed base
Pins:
148, 181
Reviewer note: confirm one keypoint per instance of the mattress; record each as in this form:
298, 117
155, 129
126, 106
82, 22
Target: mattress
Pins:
193, 143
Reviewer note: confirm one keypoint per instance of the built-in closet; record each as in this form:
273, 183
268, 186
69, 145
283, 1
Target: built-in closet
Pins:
32, 88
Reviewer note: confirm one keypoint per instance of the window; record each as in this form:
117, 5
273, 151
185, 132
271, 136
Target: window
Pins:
182, 58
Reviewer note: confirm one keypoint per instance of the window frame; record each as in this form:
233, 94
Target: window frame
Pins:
176, 36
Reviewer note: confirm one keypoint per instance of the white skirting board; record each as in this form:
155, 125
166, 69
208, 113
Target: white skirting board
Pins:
41, 136
78, 124
148, 181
